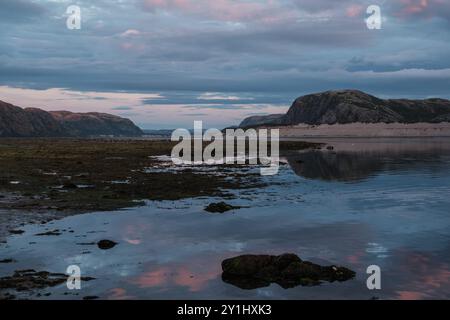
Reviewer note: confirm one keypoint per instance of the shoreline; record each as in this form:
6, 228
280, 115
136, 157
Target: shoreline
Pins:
367, 130
49, 179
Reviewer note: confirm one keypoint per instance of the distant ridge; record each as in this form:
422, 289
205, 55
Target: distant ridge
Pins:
352, 106
33, 122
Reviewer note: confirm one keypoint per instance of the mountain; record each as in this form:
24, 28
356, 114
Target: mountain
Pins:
33, 122
254, 121
350, 106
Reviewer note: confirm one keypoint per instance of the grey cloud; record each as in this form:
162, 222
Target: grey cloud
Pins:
19, 10
272, 63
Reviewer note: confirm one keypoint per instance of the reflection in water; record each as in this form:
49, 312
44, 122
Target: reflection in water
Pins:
394, 214
334, 166
185, 275
362, 159
422, 272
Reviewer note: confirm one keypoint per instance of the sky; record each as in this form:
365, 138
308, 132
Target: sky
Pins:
166, 63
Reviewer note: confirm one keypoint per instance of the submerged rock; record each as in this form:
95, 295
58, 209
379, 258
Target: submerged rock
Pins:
106, 244
287, 270
220, 207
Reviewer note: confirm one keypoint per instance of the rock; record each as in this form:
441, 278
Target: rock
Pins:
255, 121
287, 270
106, 244
70, 185
350, 106
220, 207
8, 261
16, 231
91, 298
23, 280
55, 232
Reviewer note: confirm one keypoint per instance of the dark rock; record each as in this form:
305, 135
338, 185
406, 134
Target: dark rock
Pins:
16, 231
24, 280
287, 270
255, 121
91, 298
86, 244
55, 232
330, 148
350, 106
30, 279
106, 244
220, 207
70, 185
8, 261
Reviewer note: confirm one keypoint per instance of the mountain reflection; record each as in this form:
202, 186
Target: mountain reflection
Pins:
356, 161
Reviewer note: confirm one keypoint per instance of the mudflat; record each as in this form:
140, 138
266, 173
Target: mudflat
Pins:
46, 179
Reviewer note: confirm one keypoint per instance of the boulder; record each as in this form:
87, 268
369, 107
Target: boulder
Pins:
287, 270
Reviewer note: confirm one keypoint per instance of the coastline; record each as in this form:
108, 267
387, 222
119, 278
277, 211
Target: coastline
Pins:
49, 179
367, 130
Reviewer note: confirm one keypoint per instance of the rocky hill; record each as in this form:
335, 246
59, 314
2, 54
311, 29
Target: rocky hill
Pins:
351, 106
32, 122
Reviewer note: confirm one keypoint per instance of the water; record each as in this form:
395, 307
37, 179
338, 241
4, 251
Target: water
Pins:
364, 203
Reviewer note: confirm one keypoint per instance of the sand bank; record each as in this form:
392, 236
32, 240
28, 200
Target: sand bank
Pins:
368, 130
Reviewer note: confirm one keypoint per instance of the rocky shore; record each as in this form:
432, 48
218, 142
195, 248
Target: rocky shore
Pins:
46, 179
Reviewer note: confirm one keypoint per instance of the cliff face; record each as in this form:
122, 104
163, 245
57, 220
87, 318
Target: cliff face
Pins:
350, 106
273, 119
31, 122
91, 124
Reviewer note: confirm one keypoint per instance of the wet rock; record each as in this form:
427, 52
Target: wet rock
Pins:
86, 244
7, 261
16, 231
55, 232
91, 298
30, 279
70, 185
106, 244
330, 148
220, 207
25, 280
287, 270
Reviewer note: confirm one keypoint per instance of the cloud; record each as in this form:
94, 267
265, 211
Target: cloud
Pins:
225, 54
217, 96
222, 10
416, 9
20, 10
130, 33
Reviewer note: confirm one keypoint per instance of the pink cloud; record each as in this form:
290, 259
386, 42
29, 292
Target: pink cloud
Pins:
424, 8
414, 6
354, 10
221, 10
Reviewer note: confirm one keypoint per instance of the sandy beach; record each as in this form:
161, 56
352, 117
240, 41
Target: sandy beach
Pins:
368, 130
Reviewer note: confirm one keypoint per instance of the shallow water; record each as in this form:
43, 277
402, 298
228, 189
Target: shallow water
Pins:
364, 203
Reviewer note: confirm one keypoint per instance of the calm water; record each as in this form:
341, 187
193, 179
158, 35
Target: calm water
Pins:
366, 202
